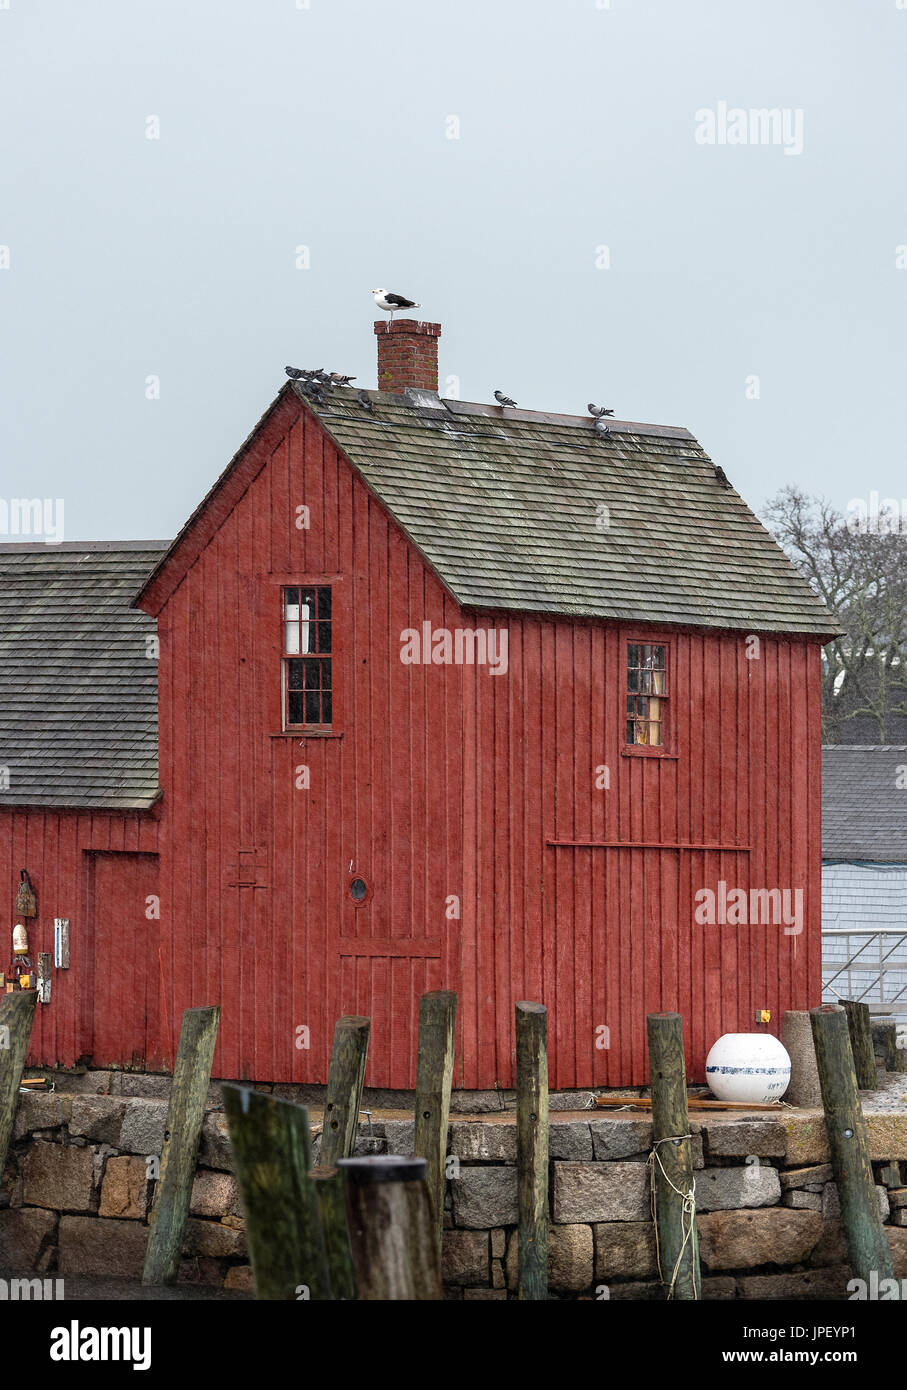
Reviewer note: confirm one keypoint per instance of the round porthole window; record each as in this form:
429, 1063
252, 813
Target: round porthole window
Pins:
358, 890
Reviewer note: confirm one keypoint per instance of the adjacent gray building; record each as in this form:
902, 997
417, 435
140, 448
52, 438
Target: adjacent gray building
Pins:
864, 875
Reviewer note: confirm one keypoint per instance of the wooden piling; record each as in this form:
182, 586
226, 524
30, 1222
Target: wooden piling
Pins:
343, 1097
330, 1192
532, 1149
17, 1014
392, 1229
859, 1026
434, 1077
173, 1191
272, 1156
885, 1045
867, 1243
676, 1235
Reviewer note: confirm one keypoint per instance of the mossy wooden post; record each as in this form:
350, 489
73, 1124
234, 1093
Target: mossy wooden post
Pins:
859, 1025
343, 1097
330, 1192
434, 1077
867, 1243
342, 1104
173, 1191
678, 1245
532, 1148
392, 1228
272, 1156
17, 1014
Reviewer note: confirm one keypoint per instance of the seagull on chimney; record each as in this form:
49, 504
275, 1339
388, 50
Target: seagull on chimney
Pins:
502, 400
598, 410
391, 302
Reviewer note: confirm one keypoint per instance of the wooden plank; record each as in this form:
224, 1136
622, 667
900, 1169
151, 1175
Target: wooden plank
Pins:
434, 1076
170, 1208
17, 1014
392, 1229
532, 1148
343, 1098
693, 1103
272, 1157
678, 1247
397, 947
866, 1240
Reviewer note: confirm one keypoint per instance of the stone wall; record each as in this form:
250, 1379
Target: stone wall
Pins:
76, 1190
76, 1194
767, 1209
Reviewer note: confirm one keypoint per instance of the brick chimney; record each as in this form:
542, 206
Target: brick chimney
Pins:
407, 354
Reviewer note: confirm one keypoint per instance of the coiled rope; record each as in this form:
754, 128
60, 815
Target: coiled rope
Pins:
687, 1215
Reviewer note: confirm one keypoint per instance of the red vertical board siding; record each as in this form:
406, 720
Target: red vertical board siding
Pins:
618, 935
56, 848
290, 951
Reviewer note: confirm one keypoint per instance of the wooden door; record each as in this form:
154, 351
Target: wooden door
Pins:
121, 999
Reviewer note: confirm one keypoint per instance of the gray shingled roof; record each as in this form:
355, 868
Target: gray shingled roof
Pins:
864, 811
78, 695
503, 505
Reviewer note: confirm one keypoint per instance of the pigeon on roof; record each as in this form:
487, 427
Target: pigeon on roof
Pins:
503, 400
364, 400
295, 373
313, 390
340, 379
391, 302
602, 429
722, 476
598, 410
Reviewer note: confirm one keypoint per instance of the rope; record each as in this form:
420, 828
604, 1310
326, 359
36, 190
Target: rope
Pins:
687, 1214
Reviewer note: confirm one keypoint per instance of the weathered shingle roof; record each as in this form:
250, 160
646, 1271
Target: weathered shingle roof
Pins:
864, 810
507, 507
78, 695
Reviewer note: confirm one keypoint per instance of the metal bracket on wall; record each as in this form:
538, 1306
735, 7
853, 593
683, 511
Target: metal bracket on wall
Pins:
61, 943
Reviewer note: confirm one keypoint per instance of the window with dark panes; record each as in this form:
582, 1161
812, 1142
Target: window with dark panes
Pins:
647, 692
307, 657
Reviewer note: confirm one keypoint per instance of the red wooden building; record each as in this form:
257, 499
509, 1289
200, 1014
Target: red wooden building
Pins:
447, 695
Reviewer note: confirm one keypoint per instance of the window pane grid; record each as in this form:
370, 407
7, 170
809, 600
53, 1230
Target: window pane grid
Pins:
308, 697
647, 690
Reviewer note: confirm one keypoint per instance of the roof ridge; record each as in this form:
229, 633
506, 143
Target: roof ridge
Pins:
489, 410
48, 547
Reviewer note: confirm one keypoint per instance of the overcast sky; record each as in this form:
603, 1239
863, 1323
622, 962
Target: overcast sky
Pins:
536, 174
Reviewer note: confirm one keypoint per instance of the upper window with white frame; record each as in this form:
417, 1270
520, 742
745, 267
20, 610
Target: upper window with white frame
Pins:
307, 657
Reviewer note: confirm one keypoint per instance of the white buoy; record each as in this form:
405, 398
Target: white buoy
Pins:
745, 1067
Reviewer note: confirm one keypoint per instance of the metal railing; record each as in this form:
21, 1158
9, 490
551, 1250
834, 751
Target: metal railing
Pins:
867, 964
